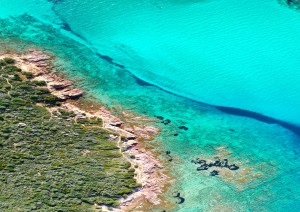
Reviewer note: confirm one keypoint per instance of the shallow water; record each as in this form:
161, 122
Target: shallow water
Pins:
268, 154
203, 50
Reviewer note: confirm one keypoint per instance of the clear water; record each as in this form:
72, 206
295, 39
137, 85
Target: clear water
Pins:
239, 54
203, 50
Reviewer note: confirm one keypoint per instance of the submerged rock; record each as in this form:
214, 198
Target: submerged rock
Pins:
180, 199
233, 167
218, 163
166, 122
210, 164
225, 163
202, 161
183, 128
214, 173
160, 117
169, 155
202, 167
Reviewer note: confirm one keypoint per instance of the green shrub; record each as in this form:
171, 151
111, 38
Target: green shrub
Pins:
2, 63
40, 91
9, 60
39, 83
10, 68
28, 75
16, 77
66, 114
42, 165
124, 191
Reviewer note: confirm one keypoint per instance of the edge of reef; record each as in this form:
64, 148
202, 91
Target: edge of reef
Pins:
130, 129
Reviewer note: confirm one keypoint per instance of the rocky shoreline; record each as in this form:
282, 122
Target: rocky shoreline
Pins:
149, 171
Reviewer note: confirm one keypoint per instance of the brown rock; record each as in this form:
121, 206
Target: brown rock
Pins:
139, 130
130, 144
40, 73
75, 93
145, 136
132, 137
128, 129
37, 56
116, 123
151, 130
61, 85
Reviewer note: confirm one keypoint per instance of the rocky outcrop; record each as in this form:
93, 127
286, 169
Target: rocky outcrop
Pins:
61, 85
39, 64
73, 93
37, 57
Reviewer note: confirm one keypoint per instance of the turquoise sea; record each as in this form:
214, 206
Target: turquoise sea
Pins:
227, 71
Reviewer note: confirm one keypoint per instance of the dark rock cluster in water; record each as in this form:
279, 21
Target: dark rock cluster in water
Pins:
214, 173
160, 117
180, 198
183, 128
168, 153
218, 163
164, 121
168, 121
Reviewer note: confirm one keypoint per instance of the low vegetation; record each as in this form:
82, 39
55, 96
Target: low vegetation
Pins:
50, 162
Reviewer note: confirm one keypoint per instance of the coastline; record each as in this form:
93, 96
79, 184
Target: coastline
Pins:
267, 154
130, 129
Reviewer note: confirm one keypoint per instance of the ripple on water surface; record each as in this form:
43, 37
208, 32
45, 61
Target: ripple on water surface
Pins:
238, 54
